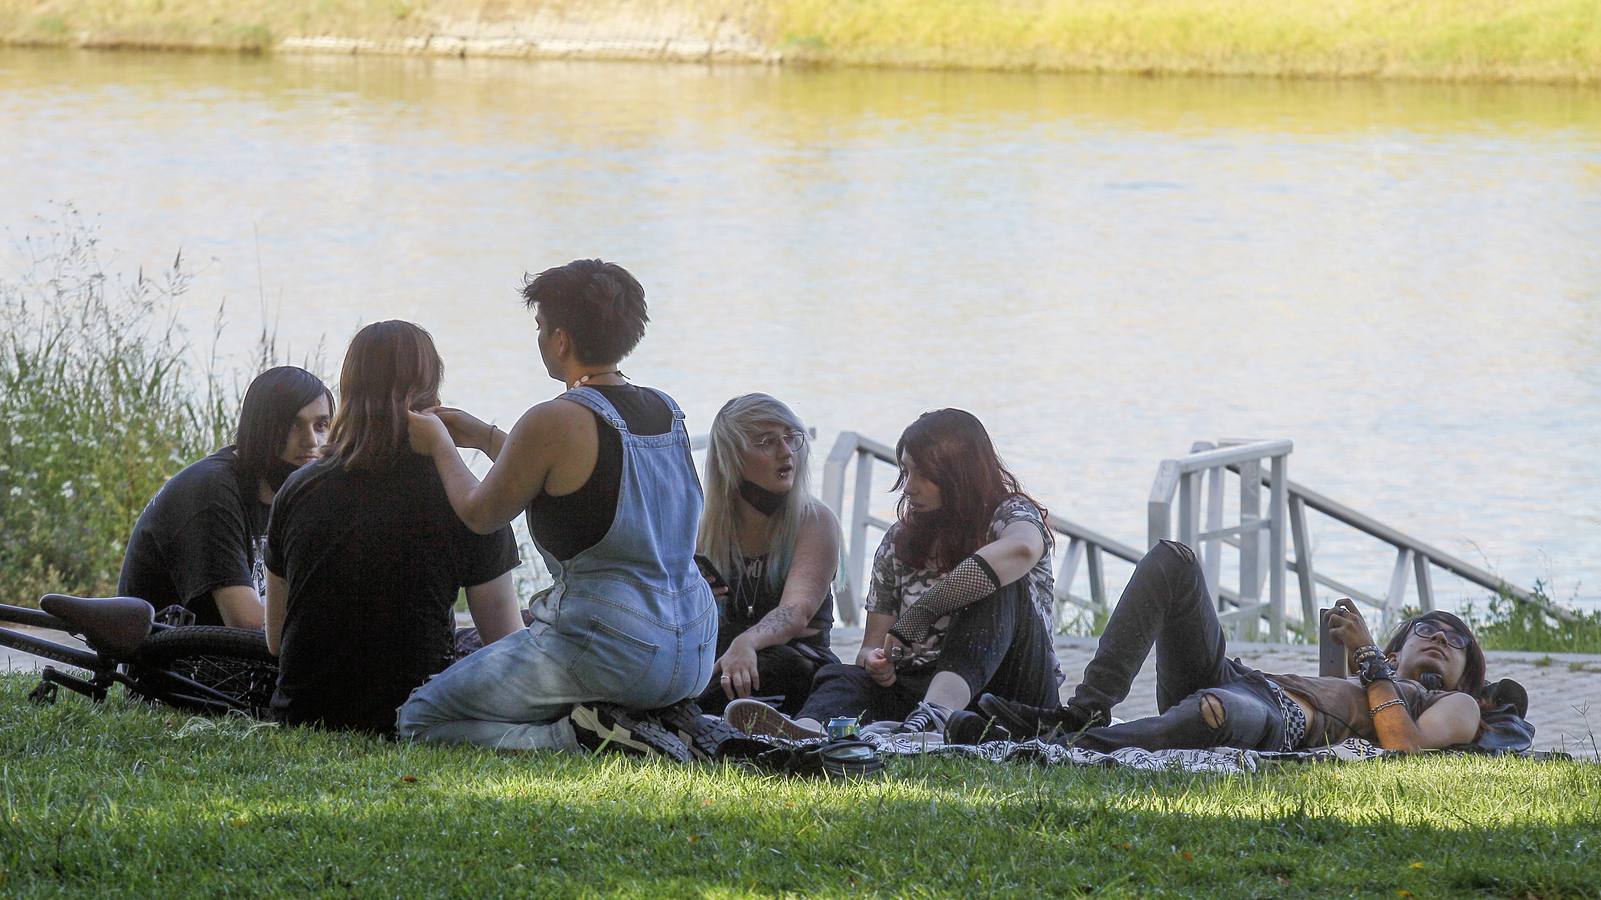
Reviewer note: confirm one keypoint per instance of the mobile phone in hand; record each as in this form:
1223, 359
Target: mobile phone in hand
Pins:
709, 572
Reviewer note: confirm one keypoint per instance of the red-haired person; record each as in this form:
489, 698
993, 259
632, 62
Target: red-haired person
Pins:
961, 598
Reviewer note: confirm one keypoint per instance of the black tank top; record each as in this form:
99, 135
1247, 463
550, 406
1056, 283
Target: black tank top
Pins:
572, 523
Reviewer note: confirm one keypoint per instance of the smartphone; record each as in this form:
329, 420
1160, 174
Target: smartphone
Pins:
709, 572
1332, 655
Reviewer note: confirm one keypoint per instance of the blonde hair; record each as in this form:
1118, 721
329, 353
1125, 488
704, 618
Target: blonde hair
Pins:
740, 420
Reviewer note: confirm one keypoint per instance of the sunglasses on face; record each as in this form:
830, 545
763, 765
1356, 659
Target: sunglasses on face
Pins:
1427, 630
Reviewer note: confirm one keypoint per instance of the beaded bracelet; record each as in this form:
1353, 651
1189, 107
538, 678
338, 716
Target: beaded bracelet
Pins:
1374, 712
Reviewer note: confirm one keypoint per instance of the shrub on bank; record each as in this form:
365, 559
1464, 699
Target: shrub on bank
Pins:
99, 406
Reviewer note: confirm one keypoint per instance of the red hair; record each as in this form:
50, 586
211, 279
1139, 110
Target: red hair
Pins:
952, 449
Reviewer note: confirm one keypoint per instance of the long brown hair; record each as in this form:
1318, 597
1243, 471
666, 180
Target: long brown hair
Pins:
952, 449
390, 367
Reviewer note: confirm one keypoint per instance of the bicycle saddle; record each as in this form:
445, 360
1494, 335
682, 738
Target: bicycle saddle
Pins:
115, 626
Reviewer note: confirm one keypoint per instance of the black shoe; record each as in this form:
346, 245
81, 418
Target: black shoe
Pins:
604, 726
965, 727
1026, 721
704, 735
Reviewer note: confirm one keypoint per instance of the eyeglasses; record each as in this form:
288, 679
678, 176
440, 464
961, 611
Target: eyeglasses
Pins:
768, 443
1453, 637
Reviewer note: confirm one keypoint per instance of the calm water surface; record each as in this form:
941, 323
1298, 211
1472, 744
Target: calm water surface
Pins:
1405, 279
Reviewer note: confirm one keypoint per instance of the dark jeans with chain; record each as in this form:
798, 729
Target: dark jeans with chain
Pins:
1204, 699
998, 645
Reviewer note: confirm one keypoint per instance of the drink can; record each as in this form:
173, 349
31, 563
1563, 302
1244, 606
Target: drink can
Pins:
841, 727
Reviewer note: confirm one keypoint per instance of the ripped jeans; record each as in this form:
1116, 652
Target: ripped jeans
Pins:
1203, 699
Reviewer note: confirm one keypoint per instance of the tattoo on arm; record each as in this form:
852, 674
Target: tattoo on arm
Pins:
777, 624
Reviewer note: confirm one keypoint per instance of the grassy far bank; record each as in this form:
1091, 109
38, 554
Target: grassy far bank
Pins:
125, 798
1517, 40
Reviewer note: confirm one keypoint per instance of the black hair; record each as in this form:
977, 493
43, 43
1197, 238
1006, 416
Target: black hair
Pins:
267, 415
598, 304
1472, 671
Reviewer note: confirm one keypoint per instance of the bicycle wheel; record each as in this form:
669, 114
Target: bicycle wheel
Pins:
233, 662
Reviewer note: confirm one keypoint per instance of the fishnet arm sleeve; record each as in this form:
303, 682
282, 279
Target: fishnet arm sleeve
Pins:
971, 581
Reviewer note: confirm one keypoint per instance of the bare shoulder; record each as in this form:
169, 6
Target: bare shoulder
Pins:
551, 419
820, 524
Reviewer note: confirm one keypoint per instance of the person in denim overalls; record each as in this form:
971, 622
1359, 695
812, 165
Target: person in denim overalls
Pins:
630, 624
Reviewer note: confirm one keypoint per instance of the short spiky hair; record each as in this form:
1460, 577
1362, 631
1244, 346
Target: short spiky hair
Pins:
598, 304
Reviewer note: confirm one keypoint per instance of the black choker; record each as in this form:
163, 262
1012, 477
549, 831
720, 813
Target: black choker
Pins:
765, 501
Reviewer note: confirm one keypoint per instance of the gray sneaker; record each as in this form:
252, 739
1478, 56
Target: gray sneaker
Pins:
756, 717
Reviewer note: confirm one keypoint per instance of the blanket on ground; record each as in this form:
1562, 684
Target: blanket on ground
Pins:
1220, 760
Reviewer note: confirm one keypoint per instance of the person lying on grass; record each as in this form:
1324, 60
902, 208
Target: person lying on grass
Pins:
773, 549
200, 541
961, 598
1415, 694
365, 558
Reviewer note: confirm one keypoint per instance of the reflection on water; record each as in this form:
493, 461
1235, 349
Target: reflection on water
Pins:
1403, 278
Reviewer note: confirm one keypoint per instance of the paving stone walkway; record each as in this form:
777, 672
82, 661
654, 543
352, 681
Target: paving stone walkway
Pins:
1564, 688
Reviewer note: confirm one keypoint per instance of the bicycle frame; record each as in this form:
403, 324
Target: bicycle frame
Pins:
154, 684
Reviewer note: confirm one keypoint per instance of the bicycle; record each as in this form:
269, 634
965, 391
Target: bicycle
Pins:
158, 658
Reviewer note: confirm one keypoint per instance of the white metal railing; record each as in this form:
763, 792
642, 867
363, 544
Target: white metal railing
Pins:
1414, 564
1083, 546
1205, 467
1195, 485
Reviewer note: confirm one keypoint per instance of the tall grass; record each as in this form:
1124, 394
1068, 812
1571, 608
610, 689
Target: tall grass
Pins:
1541, 40
1506, 624
100, 402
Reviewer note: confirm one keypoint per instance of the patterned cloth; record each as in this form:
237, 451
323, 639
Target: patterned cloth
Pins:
1294, 717
897, 585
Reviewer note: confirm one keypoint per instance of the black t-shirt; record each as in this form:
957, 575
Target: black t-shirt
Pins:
202, 531
374, 561
572, 523
751, 598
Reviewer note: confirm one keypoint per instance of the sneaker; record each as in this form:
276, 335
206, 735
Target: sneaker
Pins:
605, 726
756, 717
927, 718
1025, 721
704, 735
972, 728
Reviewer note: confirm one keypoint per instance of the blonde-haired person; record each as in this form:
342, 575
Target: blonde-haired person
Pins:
775, 547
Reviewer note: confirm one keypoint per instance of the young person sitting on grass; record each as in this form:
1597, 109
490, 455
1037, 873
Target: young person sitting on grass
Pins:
604, 475
199, 542
1415, 694
961, 597
365, 556
775, 547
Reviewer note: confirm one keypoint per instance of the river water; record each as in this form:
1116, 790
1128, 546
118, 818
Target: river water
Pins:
1405, 279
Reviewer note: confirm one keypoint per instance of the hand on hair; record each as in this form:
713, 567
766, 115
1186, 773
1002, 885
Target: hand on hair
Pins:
1347, 626
466, 430
426, 432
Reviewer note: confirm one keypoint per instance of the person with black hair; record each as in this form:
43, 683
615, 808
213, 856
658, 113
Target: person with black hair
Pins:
1418, 693
365, 558
961, 596
604, 476
199, 543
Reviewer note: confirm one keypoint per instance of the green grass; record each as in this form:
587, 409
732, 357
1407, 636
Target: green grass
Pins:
1515, 40
120, 798
1505, 624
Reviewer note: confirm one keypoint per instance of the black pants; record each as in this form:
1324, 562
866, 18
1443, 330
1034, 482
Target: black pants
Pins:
998, 645
1167, 604
784, 670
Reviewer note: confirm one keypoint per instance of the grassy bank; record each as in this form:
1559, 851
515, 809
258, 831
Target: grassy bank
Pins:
1517, 40
125, 799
